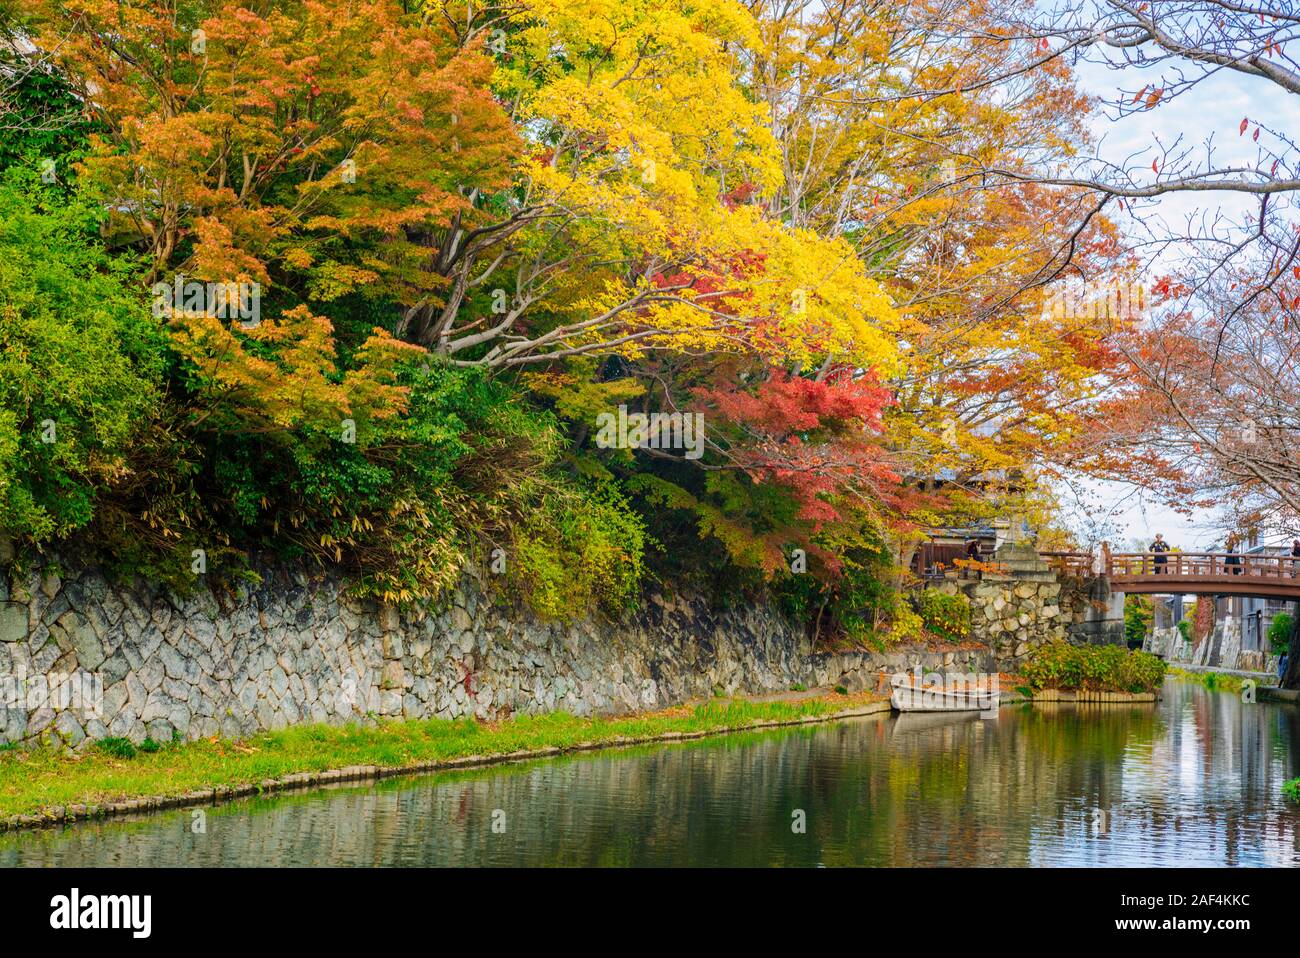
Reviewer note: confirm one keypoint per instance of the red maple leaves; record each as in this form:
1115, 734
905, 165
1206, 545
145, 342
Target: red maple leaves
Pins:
817, 438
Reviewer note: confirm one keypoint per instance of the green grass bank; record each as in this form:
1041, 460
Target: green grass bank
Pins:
44, 787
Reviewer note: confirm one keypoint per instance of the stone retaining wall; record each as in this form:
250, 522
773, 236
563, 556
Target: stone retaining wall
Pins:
1220, 648
295, 649
1024, 605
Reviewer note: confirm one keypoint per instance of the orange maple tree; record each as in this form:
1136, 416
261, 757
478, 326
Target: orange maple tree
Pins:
287, 143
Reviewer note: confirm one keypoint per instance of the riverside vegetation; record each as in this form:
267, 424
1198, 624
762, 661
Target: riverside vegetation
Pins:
474, 231
114, 769
474, 234
35, 781
1095, 668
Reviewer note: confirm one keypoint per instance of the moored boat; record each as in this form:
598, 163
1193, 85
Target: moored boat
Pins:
934, 698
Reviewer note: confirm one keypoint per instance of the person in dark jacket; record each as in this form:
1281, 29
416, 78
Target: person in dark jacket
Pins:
972, 554
1295, 557
1232, 561
1160, 547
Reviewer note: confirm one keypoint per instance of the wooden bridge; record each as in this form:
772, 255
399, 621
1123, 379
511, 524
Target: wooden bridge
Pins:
1198, 573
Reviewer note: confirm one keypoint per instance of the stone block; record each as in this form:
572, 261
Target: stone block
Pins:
13, 622
393, 676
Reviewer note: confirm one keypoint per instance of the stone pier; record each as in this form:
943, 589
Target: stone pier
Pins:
1021, 604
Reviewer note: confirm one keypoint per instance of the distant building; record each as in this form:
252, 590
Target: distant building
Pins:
1255, 615
947, 544
1167, 610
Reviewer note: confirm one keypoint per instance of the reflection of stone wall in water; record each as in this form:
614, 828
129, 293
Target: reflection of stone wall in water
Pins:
662, 802
922, 790
295, 649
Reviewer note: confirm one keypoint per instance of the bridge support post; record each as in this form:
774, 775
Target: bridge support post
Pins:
1103, 619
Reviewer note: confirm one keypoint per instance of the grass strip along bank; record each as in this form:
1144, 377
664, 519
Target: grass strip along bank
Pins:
44, 787
1214, 681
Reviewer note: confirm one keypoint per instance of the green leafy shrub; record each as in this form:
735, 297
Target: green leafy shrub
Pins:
852, 604
465, 467
45, 120
945, 615
1292, 790
80, 365
1185, 630
1112, 668
1138, 614
906, 624
1279, 633
575, 551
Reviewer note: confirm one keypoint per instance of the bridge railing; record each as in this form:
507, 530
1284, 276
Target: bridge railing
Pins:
1127, 564
1069, 563
1204, 564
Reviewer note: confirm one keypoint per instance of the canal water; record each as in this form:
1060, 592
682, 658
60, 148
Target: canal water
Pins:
1193, 780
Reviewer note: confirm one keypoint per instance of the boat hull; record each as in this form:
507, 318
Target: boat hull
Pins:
905, 698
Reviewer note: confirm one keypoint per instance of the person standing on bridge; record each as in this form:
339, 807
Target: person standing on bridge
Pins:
1295, 557
1101, 561
1160, 547
1232, 561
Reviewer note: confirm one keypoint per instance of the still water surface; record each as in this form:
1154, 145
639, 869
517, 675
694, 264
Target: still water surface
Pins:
1194, 780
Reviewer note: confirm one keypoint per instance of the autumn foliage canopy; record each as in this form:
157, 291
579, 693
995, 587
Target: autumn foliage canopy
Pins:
476, 230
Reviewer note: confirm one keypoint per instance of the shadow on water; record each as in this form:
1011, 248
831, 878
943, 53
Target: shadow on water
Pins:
1194, 780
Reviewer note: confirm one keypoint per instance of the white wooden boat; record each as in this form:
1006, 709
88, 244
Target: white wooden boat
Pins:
906, 697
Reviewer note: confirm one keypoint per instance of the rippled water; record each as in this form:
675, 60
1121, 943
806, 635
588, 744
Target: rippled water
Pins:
1194, 780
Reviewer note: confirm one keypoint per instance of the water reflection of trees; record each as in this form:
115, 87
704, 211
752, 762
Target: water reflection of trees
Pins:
1196, 781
